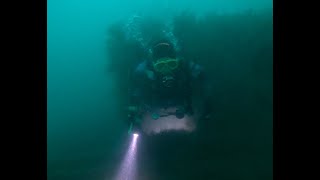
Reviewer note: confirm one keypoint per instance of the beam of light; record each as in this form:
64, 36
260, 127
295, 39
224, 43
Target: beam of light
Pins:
128, 168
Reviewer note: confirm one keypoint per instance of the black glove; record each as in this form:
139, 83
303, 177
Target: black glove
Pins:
207, 112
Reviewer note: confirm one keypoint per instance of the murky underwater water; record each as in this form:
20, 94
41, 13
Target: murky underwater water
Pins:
87, 136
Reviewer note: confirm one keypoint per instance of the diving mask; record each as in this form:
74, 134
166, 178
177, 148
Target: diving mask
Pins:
166, 65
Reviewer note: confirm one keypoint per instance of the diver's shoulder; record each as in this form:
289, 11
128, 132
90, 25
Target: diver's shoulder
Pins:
195, 68
142, 70
141, 67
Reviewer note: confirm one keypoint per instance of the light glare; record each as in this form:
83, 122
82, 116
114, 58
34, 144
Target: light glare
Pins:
128, 167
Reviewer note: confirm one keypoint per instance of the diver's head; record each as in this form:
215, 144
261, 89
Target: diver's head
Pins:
162, 49
164, 58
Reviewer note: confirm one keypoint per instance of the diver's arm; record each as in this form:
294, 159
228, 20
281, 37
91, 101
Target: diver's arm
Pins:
135, 96
135, 102
207, 97
204, 88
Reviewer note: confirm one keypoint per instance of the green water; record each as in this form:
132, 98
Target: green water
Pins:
86, 131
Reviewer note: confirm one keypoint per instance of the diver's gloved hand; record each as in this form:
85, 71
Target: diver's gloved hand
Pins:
134, 114
133, 111
207, 114
134, 123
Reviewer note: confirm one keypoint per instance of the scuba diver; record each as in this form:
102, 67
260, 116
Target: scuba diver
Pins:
161, 93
